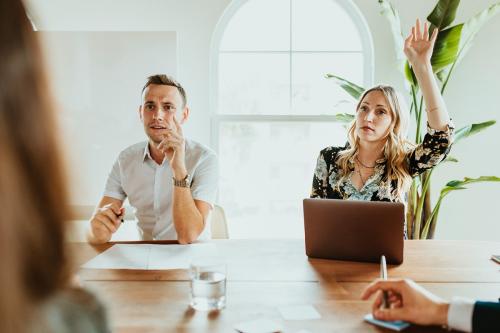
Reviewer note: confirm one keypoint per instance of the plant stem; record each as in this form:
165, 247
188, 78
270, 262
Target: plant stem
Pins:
425, 231
421, 200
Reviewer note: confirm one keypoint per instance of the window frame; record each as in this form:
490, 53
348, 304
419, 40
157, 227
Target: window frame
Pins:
216, 119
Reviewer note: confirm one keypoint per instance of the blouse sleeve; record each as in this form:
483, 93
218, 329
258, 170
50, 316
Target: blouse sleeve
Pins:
320, 178
431, 151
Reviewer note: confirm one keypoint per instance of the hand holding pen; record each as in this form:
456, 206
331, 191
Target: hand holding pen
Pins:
105, 222
406, 301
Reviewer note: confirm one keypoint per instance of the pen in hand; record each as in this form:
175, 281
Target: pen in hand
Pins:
122, 214
383, 276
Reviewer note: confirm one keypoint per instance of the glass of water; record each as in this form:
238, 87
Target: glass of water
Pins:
208, 284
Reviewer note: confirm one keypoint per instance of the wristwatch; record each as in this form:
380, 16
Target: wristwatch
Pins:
185, 182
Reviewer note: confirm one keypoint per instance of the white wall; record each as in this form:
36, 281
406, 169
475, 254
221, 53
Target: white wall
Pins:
97, 79
471, 95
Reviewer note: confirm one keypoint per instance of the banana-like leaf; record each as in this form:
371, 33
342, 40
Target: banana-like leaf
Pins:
446, 48
460, 184
392, 16
469, 32
472, 129
444, 13
344, 117
351, 88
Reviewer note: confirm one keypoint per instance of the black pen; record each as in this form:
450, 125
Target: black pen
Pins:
383, 275
121, 217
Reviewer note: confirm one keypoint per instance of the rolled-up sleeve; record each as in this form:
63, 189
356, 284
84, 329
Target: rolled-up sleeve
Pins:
431, 151
205, 180
114, 188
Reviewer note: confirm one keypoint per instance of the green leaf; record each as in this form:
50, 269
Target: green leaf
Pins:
390, 13
351, 88
446, 48
469, 32
444, 13
472, 129
410, 76
344, 117
460, 184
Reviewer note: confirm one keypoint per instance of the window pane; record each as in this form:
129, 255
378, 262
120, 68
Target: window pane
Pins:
254, 83
323, 25
312, 93
259, 25
266, 170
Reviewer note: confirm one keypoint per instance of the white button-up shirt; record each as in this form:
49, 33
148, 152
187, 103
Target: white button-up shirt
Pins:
149, 188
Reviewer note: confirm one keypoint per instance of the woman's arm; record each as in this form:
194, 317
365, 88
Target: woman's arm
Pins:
418, 49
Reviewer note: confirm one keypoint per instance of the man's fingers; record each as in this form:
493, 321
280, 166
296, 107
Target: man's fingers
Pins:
390, 314
112, 216
387, 285
112, 206
106, 222
378, 302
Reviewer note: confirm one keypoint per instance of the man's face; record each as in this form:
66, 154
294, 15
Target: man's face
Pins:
160, 104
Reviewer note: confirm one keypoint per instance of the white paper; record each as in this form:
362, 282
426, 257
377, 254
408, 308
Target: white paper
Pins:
299, 312
259, 326
150, 256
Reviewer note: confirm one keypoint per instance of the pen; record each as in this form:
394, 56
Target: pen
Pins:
383, 275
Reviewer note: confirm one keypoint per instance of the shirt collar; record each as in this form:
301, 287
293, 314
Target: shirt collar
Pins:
146, 153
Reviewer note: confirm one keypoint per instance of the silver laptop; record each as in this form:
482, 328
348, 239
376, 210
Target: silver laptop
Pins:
354, 230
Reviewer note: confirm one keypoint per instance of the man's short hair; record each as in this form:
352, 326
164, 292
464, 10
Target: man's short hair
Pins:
162, 79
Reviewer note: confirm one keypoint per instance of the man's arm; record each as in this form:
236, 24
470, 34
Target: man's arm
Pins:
189, 215
105, 220
486, 317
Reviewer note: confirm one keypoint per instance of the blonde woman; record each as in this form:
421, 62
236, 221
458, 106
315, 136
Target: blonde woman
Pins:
378, 163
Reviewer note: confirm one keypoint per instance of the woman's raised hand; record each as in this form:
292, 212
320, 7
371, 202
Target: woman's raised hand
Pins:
418, 46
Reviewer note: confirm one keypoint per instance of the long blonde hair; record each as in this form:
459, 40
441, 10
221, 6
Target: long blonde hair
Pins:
395, 147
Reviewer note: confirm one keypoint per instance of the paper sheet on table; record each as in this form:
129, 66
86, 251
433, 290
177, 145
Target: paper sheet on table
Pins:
150, 256
260, 325
299, 312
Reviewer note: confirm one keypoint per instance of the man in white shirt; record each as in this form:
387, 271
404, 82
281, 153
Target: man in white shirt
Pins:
412, 303
170, 181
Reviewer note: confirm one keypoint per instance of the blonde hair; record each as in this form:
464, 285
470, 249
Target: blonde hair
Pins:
395, 147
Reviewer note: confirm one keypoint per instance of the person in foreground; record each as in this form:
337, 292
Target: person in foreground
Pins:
412, 303
378, 163
170, 181
35, 275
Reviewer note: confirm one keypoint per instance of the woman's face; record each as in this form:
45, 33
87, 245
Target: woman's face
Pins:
373, 118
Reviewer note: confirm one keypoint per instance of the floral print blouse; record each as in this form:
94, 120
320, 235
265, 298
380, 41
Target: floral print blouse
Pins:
429, 153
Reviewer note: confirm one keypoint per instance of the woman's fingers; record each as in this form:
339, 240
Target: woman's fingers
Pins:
418, 35
426, 31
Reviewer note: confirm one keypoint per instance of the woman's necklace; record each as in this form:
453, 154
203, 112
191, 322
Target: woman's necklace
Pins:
363, 181
365, 166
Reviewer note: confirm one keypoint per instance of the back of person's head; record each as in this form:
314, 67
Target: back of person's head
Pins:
33, 203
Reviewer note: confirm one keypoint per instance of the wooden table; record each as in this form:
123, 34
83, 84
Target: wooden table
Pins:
265, 274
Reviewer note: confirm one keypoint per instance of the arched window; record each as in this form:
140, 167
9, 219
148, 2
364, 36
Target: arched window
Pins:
272, 107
